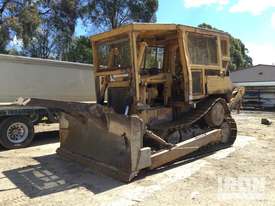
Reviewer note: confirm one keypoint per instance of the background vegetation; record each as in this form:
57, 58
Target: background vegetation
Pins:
46, 28
239, 53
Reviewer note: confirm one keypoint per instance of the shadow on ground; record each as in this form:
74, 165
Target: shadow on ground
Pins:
54, 174
45, 138
41, 139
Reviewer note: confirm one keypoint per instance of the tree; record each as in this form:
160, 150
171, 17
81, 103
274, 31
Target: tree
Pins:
79, 51
109, 14
55, 32
239, 56
41, 45
239, 53
47, 28
63, 18
17, 18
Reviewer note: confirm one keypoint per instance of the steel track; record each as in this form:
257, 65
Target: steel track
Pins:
192, 118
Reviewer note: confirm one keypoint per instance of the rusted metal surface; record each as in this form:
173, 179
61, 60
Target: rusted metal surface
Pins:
111, 143
202, 109
155, 138
138, 126
185, 148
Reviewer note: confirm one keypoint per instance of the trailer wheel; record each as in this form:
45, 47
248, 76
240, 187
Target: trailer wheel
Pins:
16, 132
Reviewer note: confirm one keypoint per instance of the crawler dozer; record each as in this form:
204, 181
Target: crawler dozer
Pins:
162, 93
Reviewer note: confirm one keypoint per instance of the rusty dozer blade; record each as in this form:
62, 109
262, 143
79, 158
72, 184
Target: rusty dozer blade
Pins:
99, 138
111, 143
108, 143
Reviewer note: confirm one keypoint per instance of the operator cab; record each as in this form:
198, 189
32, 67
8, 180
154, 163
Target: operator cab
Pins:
158, 71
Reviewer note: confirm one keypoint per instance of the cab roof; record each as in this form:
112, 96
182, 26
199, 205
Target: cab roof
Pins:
154, 27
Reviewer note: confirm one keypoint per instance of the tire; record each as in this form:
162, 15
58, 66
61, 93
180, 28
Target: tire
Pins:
16, 132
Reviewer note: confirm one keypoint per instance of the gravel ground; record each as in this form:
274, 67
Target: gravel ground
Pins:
241, 175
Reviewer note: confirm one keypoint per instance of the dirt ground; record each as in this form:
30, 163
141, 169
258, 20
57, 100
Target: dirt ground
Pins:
241, 175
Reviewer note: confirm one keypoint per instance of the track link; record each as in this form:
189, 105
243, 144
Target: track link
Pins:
233, 127
192, 118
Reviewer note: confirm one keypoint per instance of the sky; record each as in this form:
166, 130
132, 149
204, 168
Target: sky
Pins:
252, 21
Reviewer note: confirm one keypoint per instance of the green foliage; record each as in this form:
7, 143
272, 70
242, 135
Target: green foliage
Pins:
79, 51
207, 26
28, 22
239, 57
4, 38
41, 45
62, 20
55, 32
109, 14
47, 28
20, 18
239, 53
143, 11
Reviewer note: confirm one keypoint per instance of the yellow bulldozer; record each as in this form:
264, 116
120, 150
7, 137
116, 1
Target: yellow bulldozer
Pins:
162, 93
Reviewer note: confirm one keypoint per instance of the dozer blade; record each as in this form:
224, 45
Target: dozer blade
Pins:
105, 141
112, 144
108, 143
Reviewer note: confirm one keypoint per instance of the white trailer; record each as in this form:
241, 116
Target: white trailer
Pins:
37, 78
